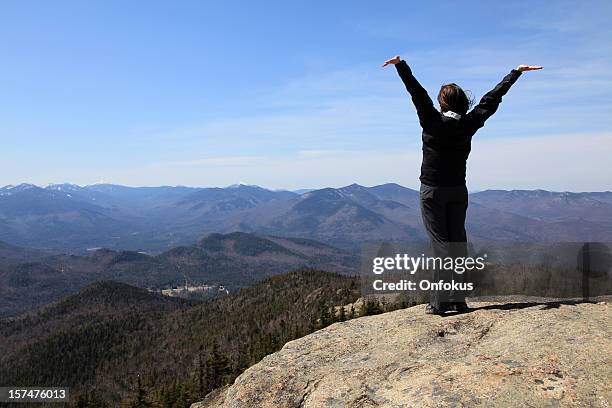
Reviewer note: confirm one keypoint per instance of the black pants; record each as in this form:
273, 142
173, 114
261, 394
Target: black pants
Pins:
443, 210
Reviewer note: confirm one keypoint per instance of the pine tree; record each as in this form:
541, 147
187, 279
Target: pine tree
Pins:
375, 307
341, 314
218, 368
384, 305
201, 374
351, 314
139, 401
326, 317
365, 308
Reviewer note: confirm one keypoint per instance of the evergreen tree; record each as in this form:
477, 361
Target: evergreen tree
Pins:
384, 304
201, 374
326, 317
365, 308
375, 307
218, 368
351, 313
341, 314
91, 399
139, 400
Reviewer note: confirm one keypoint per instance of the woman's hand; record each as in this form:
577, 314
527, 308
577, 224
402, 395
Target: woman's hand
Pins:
393, 61
524, 67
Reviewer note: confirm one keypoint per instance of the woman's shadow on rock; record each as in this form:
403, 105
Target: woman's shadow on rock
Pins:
594, 261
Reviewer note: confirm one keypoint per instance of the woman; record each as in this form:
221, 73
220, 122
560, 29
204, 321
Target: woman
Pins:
447, 137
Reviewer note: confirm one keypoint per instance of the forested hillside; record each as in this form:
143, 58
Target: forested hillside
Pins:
113, 343
234, 260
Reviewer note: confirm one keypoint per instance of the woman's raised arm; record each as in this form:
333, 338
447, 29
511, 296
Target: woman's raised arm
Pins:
425, 108
490, 101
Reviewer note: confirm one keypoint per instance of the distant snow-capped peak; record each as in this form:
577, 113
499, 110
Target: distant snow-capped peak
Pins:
19, 187
63, 187
12, 189
241, 184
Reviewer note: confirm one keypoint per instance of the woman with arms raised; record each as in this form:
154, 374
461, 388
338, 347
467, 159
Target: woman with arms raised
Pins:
447, 137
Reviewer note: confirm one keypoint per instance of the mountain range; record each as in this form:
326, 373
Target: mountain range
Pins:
81, 269
232, 261
71, 218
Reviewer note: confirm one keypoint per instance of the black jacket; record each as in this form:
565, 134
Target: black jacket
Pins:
447, 141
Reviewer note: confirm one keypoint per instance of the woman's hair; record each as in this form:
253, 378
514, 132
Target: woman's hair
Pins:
453, 98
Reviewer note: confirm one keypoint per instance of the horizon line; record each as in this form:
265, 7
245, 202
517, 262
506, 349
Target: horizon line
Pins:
242, 184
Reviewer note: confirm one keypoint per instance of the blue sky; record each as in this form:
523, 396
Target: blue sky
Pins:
291, 94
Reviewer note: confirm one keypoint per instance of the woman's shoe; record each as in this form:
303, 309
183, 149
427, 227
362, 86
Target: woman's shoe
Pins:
460, 307
429, 309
